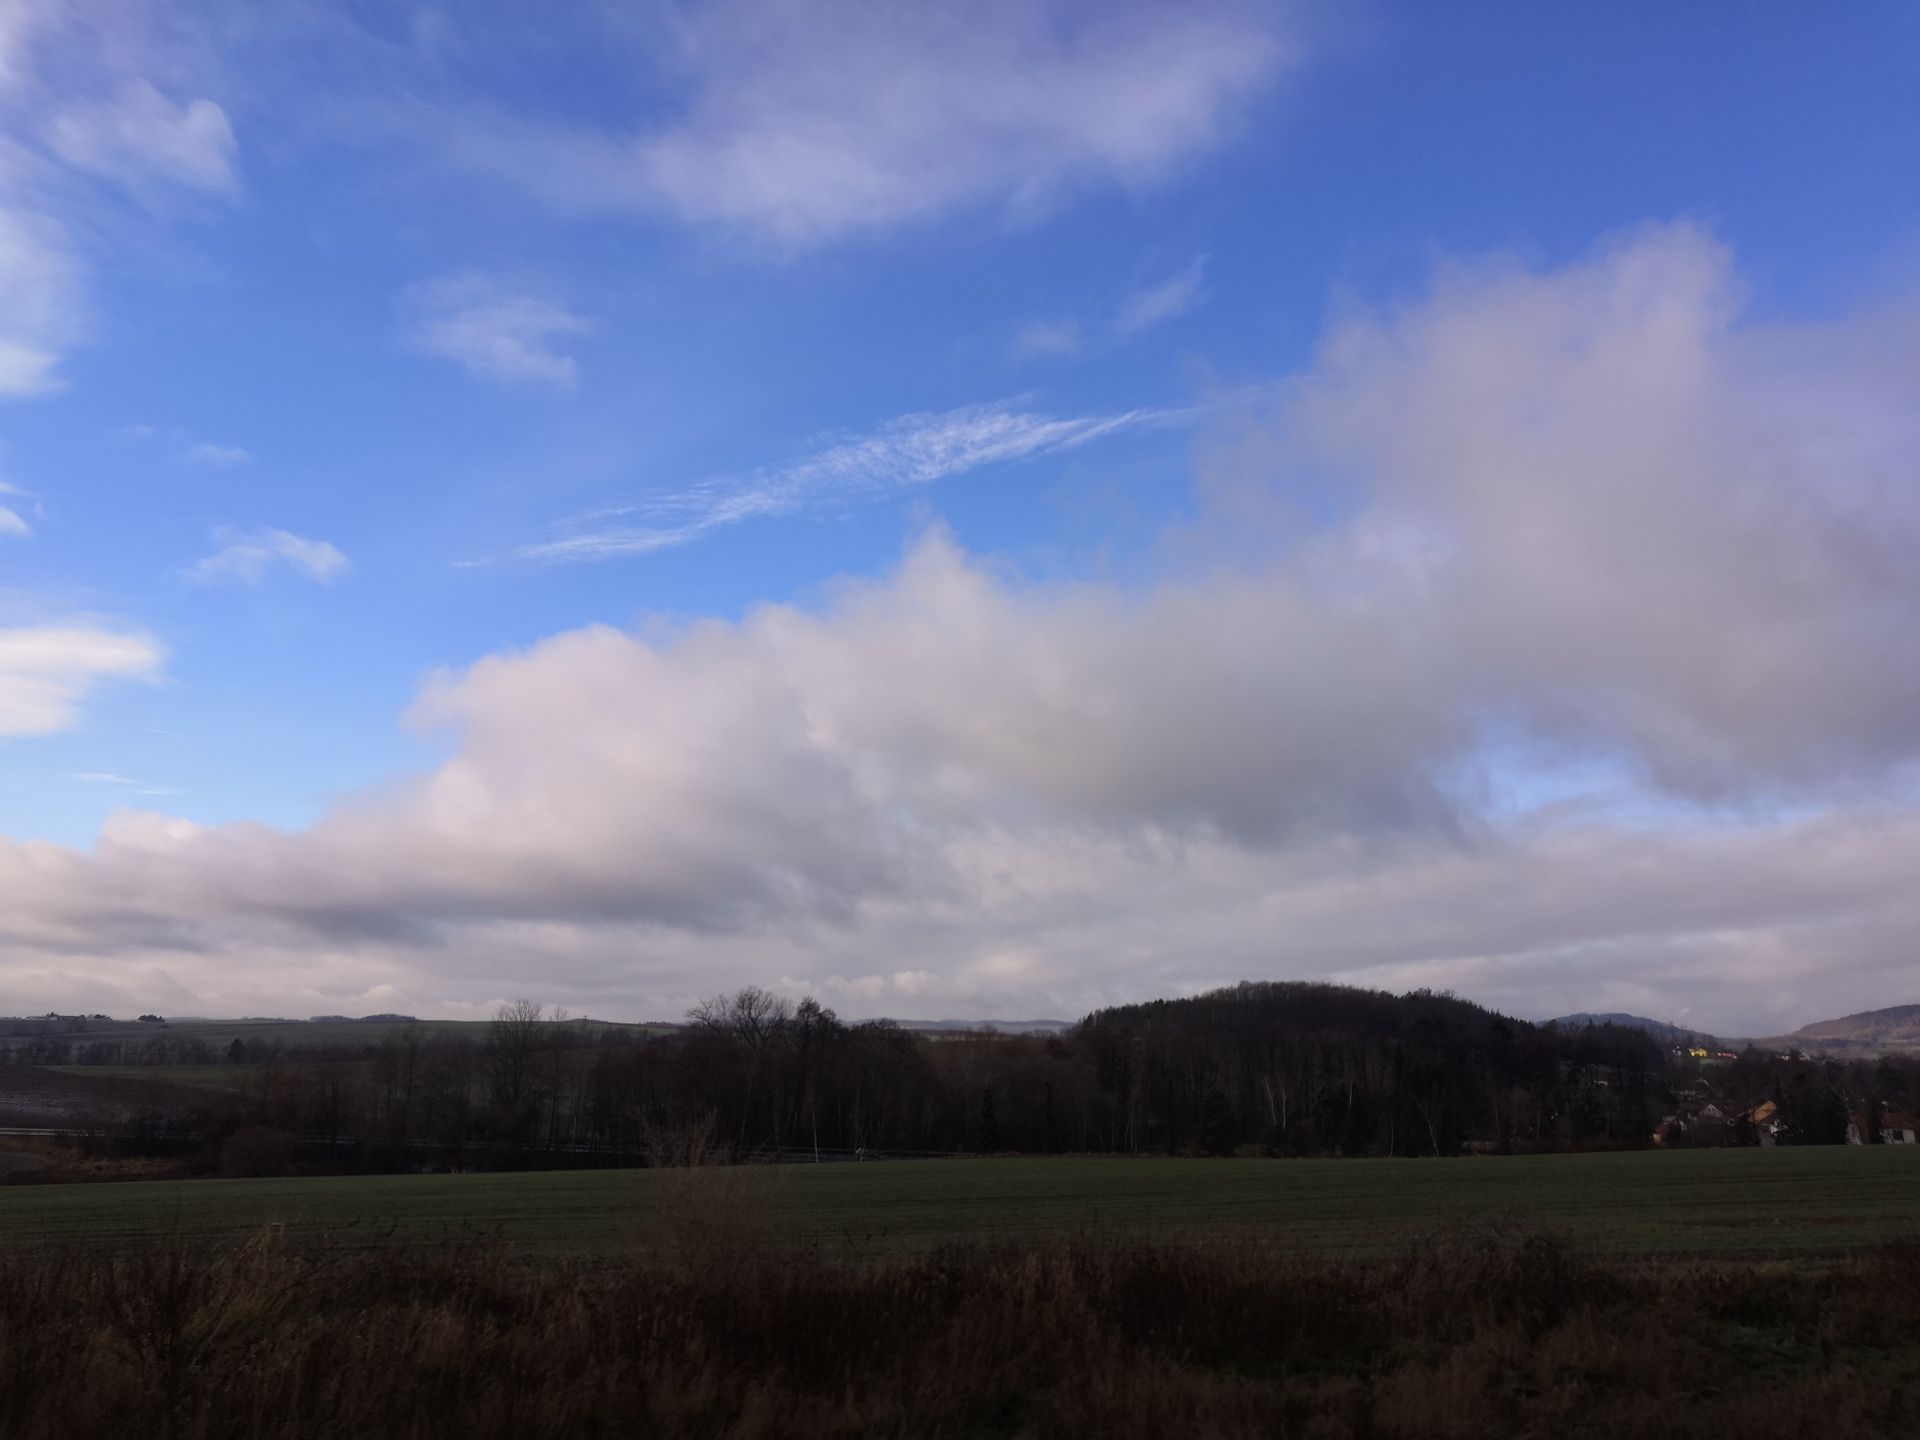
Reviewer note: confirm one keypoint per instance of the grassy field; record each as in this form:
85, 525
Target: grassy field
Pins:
1727, 1203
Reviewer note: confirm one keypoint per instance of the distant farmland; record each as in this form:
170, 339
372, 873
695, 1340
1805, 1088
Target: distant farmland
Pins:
1727, 1203
293, 1034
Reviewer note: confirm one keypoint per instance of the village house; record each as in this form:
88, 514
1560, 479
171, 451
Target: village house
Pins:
1896, 1128
1766, 1121
1899, 1128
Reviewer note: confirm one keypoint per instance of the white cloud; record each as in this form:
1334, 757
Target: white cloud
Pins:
1157, 303
21, 24
186, 449
1048, 339
808, 122
138, 137
41, 309
906, 453
248, 555
1594, 509
46, 672
26, 369
218, 456
494, 333
1140, 309
11, 522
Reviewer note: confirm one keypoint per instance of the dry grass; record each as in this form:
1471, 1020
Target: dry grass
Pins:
28, 1160
1489, 1333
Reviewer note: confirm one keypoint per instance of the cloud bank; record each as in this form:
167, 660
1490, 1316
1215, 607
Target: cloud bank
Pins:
1535, 524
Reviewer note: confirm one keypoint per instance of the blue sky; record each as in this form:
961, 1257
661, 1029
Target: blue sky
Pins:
358, 345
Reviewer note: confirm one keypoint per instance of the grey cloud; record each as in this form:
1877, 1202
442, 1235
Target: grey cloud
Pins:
1630, 524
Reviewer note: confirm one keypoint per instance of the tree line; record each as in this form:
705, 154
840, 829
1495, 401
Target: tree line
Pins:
1268, 1068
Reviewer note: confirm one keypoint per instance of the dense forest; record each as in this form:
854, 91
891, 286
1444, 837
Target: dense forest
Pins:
1271, 1068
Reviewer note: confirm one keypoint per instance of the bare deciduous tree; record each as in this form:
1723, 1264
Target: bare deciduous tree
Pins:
752, 1018
512, 1052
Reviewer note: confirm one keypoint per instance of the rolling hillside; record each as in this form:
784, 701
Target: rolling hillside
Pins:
1896, 1028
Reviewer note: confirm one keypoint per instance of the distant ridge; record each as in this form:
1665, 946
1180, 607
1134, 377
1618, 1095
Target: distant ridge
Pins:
1895, 1028
1005, 1027
1659, 1029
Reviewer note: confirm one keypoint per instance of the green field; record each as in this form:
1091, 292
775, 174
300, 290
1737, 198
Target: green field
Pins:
1728, 1203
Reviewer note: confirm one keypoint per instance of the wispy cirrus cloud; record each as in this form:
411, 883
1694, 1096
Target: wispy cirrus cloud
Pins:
1163, 300
248, 555
83, 128
1141, 308
494, 332
904, 454
109, 777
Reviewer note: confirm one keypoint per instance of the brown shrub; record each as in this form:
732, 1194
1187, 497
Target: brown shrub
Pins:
1498, 1333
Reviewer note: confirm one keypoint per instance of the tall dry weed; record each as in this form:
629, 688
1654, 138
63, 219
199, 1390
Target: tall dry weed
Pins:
711, 1216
